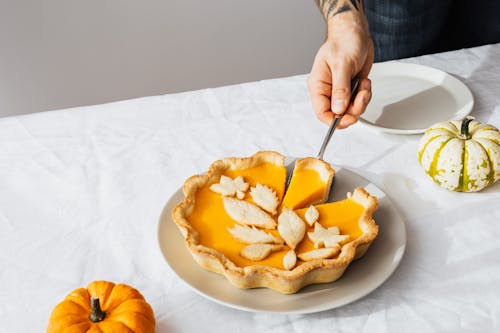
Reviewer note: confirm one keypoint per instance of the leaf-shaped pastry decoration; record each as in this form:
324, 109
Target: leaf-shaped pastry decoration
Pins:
290, 260
312, 215
265, 197
247, 213
323, 253
291, 227
257, 252
252, 235
326, 237
230, 187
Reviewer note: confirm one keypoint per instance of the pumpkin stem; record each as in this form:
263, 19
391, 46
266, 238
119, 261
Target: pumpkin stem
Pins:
464, 130
97, 314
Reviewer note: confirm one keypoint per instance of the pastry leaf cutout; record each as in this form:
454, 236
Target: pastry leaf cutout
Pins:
230, 187
265, 197
252, 235
322, 236
291, 227
312, 215
247, 213
323, 253
290, 260
257, 252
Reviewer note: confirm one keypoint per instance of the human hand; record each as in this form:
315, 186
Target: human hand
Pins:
347, 51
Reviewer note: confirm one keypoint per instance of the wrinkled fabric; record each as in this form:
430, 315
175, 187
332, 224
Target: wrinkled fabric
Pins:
81, 191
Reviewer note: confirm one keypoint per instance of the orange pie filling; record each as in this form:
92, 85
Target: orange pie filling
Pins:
299, 195
344, 214
212, 222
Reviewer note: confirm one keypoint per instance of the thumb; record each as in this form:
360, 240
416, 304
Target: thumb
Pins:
341, 88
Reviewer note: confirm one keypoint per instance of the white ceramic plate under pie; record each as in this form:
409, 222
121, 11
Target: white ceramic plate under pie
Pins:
361, 277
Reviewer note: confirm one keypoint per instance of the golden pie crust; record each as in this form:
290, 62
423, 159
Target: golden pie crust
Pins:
254, 276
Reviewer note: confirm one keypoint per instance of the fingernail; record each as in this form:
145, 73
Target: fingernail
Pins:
366, 98
368, 85
338, 106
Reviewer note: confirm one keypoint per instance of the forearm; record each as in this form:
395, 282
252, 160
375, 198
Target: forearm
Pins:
331, 8
342, 15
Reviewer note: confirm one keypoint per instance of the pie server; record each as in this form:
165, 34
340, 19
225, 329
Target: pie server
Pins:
291, 161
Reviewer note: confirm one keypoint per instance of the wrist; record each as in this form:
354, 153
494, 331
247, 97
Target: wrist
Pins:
344, 13
349, 21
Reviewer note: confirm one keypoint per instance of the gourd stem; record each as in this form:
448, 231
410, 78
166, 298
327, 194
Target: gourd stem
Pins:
97, 314
464, 130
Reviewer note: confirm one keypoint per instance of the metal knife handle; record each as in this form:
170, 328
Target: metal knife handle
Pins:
336, 120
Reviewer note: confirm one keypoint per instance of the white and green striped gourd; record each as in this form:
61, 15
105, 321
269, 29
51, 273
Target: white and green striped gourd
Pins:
461, 155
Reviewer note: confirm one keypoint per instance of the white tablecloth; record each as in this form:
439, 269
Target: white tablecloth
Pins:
81, 191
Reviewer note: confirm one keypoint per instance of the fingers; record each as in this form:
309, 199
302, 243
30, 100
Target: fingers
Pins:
321, 106
341, 87
320, 89
364, 95
362, 98
358, 106
346, 121
329, 87
321, 102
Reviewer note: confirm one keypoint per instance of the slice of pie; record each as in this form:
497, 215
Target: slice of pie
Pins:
238, 221
314, 173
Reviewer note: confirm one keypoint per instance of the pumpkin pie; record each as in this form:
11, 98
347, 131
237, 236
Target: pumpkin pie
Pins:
318, 176
239, 221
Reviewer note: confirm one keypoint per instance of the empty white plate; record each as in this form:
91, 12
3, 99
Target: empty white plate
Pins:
409, 98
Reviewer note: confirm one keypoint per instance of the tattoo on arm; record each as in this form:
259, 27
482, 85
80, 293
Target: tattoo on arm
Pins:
355, 4
330, 8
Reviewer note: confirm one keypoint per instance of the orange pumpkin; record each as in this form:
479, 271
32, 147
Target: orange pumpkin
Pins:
102, 307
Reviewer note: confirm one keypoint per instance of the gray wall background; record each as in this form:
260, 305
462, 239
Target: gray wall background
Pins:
63, 53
